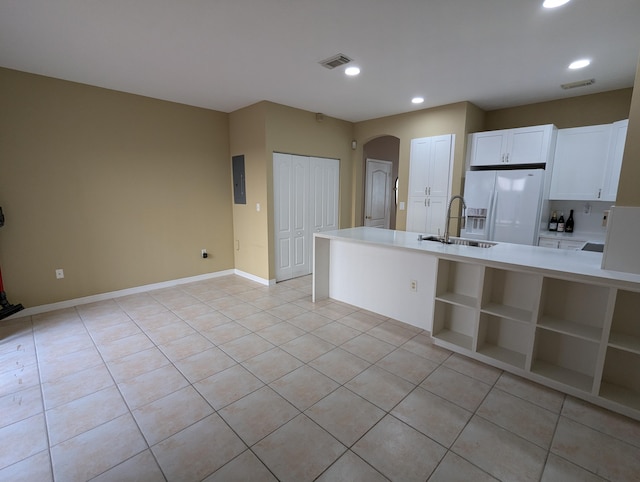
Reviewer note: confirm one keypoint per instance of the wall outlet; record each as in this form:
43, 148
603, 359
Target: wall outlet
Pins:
413, 285
401, 205
204, 253
59, 273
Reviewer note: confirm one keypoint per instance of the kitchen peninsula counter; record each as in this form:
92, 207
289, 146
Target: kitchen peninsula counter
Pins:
553, 316
566, 263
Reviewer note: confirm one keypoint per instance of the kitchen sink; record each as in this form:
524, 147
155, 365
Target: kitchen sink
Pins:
458, 241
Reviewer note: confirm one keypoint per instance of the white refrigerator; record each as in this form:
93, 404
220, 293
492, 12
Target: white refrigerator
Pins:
504, 205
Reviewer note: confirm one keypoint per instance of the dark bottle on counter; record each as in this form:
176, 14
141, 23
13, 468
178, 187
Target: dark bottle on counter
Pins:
561, 224
553, 222
568, 226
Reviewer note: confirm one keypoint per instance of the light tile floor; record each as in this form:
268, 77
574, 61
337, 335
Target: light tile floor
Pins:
226, 380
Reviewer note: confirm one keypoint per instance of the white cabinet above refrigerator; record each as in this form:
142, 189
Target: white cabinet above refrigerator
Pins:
508, 147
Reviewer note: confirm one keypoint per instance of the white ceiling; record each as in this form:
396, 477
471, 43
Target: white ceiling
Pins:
227, 54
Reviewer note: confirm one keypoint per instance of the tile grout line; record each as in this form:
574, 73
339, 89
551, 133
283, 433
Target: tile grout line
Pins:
44, 410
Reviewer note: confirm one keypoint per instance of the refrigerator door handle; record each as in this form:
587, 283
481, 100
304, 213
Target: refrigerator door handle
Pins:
493, 207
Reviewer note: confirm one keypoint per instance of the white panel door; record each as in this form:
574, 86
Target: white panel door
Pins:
301, 255
419, 167
440, 162
283, 199
436, 215
305, 195
417, 214
487, 148
614, 164
324, 188
378, 194
579, 163
528, 145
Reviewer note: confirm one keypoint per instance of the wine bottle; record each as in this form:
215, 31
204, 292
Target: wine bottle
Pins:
561, 225
568, 226
553, 222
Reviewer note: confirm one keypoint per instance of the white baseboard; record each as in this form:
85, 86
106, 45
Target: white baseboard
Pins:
35, 310
255, 278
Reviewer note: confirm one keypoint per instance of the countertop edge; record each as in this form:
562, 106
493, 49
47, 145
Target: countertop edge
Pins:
565, 264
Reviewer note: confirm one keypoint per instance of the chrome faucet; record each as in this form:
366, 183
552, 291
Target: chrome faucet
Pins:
446, 227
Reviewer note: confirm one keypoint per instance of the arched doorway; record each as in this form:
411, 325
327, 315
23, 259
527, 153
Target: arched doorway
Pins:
380, 194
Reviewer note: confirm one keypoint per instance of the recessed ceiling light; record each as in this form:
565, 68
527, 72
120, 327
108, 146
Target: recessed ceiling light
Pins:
417, 100
351, 71
554, 3
579, 64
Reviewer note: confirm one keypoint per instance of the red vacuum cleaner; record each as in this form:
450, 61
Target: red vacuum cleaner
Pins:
6, 308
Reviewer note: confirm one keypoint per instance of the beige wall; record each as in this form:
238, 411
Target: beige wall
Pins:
257, 132
585, 110
629, 188
247, 129
448, 119
118, 190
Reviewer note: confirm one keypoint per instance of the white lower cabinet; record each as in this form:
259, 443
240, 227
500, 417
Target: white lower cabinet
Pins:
573, 335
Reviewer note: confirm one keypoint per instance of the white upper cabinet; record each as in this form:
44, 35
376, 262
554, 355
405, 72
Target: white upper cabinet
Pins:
587, 162
616, 150
525, 145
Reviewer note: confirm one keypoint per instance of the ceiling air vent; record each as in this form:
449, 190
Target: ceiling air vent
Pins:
335, 61
580, 83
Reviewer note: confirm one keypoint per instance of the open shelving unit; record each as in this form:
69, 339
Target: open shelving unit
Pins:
504, 339
572, 308
455, 310
576, 335
564, 358
621, 373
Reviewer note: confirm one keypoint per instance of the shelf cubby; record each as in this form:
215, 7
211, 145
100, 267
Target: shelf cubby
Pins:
510, 294
458, 283
504, 339
565, 358
574, 308
454, 324
621, 377
625, 325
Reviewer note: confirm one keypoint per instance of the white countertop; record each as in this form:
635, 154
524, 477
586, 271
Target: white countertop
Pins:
564, 262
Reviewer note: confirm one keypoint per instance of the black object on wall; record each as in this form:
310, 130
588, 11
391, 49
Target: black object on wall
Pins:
239, 192
6, 308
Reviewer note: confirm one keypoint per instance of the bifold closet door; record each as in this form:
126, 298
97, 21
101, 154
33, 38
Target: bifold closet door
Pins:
305, 200
324, 185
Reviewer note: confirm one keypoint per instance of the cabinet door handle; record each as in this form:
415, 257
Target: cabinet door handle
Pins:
502, 160
599, 193
428, 202
429, 190
425, 191
507, 158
